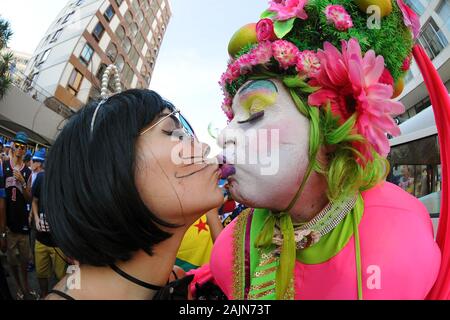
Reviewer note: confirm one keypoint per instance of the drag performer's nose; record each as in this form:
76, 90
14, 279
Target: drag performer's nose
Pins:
227, 139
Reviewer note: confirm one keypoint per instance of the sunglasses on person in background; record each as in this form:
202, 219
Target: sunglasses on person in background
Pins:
20, 146
180, 122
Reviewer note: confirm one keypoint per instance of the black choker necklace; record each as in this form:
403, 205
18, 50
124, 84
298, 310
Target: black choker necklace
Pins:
134, 280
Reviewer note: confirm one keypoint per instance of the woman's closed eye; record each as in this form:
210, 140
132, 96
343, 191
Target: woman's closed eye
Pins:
178, 133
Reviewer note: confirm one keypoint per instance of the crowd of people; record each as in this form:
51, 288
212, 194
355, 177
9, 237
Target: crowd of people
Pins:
24, 231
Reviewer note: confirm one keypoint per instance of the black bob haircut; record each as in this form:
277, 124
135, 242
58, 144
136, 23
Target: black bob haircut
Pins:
95, 213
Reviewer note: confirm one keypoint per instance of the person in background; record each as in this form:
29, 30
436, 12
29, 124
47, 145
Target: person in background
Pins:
406, 182
27, 159
35, 169
48, 258
7, 150
4, 288
16, 175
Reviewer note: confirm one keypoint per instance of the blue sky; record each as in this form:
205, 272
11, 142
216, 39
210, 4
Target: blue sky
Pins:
192, 57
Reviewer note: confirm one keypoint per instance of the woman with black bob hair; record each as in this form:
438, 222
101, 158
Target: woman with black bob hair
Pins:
125, 179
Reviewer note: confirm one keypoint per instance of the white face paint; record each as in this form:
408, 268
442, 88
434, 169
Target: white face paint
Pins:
258, 184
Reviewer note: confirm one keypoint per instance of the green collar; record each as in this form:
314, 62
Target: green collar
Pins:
329, 245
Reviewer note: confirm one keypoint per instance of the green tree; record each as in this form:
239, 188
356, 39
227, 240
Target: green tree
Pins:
5, 57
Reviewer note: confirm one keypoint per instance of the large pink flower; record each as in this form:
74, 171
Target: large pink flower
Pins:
287, 9
286, 53
337, 15
351, 83
410, 18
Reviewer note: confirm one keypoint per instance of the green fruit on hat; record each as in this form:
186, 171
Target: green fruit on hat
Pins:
243, 37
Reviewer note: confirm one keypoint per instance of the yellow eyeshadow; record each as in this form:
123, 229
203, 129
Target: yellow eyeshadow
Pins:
258, 100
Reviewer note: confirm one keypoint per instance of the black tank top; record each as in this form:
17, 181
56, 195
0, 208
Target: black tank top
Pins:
16, 205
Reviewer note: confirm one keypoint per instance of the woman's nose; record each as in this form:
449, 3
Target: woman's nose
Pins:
206, 149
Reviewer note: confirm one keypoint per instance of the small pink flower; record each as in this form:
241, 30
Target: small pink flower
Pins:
337, 15
233, 72
286, 53
245, 63
410, 18
287, 9
265, 31
226, 107
308, 63
262, 53
407, 63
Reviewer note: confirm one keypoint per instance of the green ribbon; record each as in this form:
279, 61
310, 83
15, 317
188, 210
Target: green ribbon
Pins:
285, 270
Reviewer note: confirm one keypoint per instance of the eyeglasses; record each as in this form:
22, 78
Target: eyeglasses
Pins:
20, 146
181, 122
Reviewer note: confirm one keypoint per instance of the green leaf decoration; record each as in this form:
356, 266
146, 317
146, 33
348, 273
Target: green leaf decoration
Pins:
268, 14
298, 82
282, 28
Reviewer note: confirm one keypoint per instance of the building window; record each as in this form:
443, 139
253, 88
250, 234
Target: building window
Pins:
140, 17
43, 57
134, 29
101, 71
56, 35
87, 53
409, 76
75, 82
119, 2
31, 81
67, 17
98, 31
444, 13
135, 5
127, 74
120, 61
111, 51
126, 45
139, 41
129, 17
120, 32
145, 27
154, 6
432, 39
134, 56
416, 5
109, 13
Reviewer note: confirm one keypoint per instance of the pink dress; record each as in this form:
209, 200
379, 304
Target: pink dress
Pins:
399, 257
